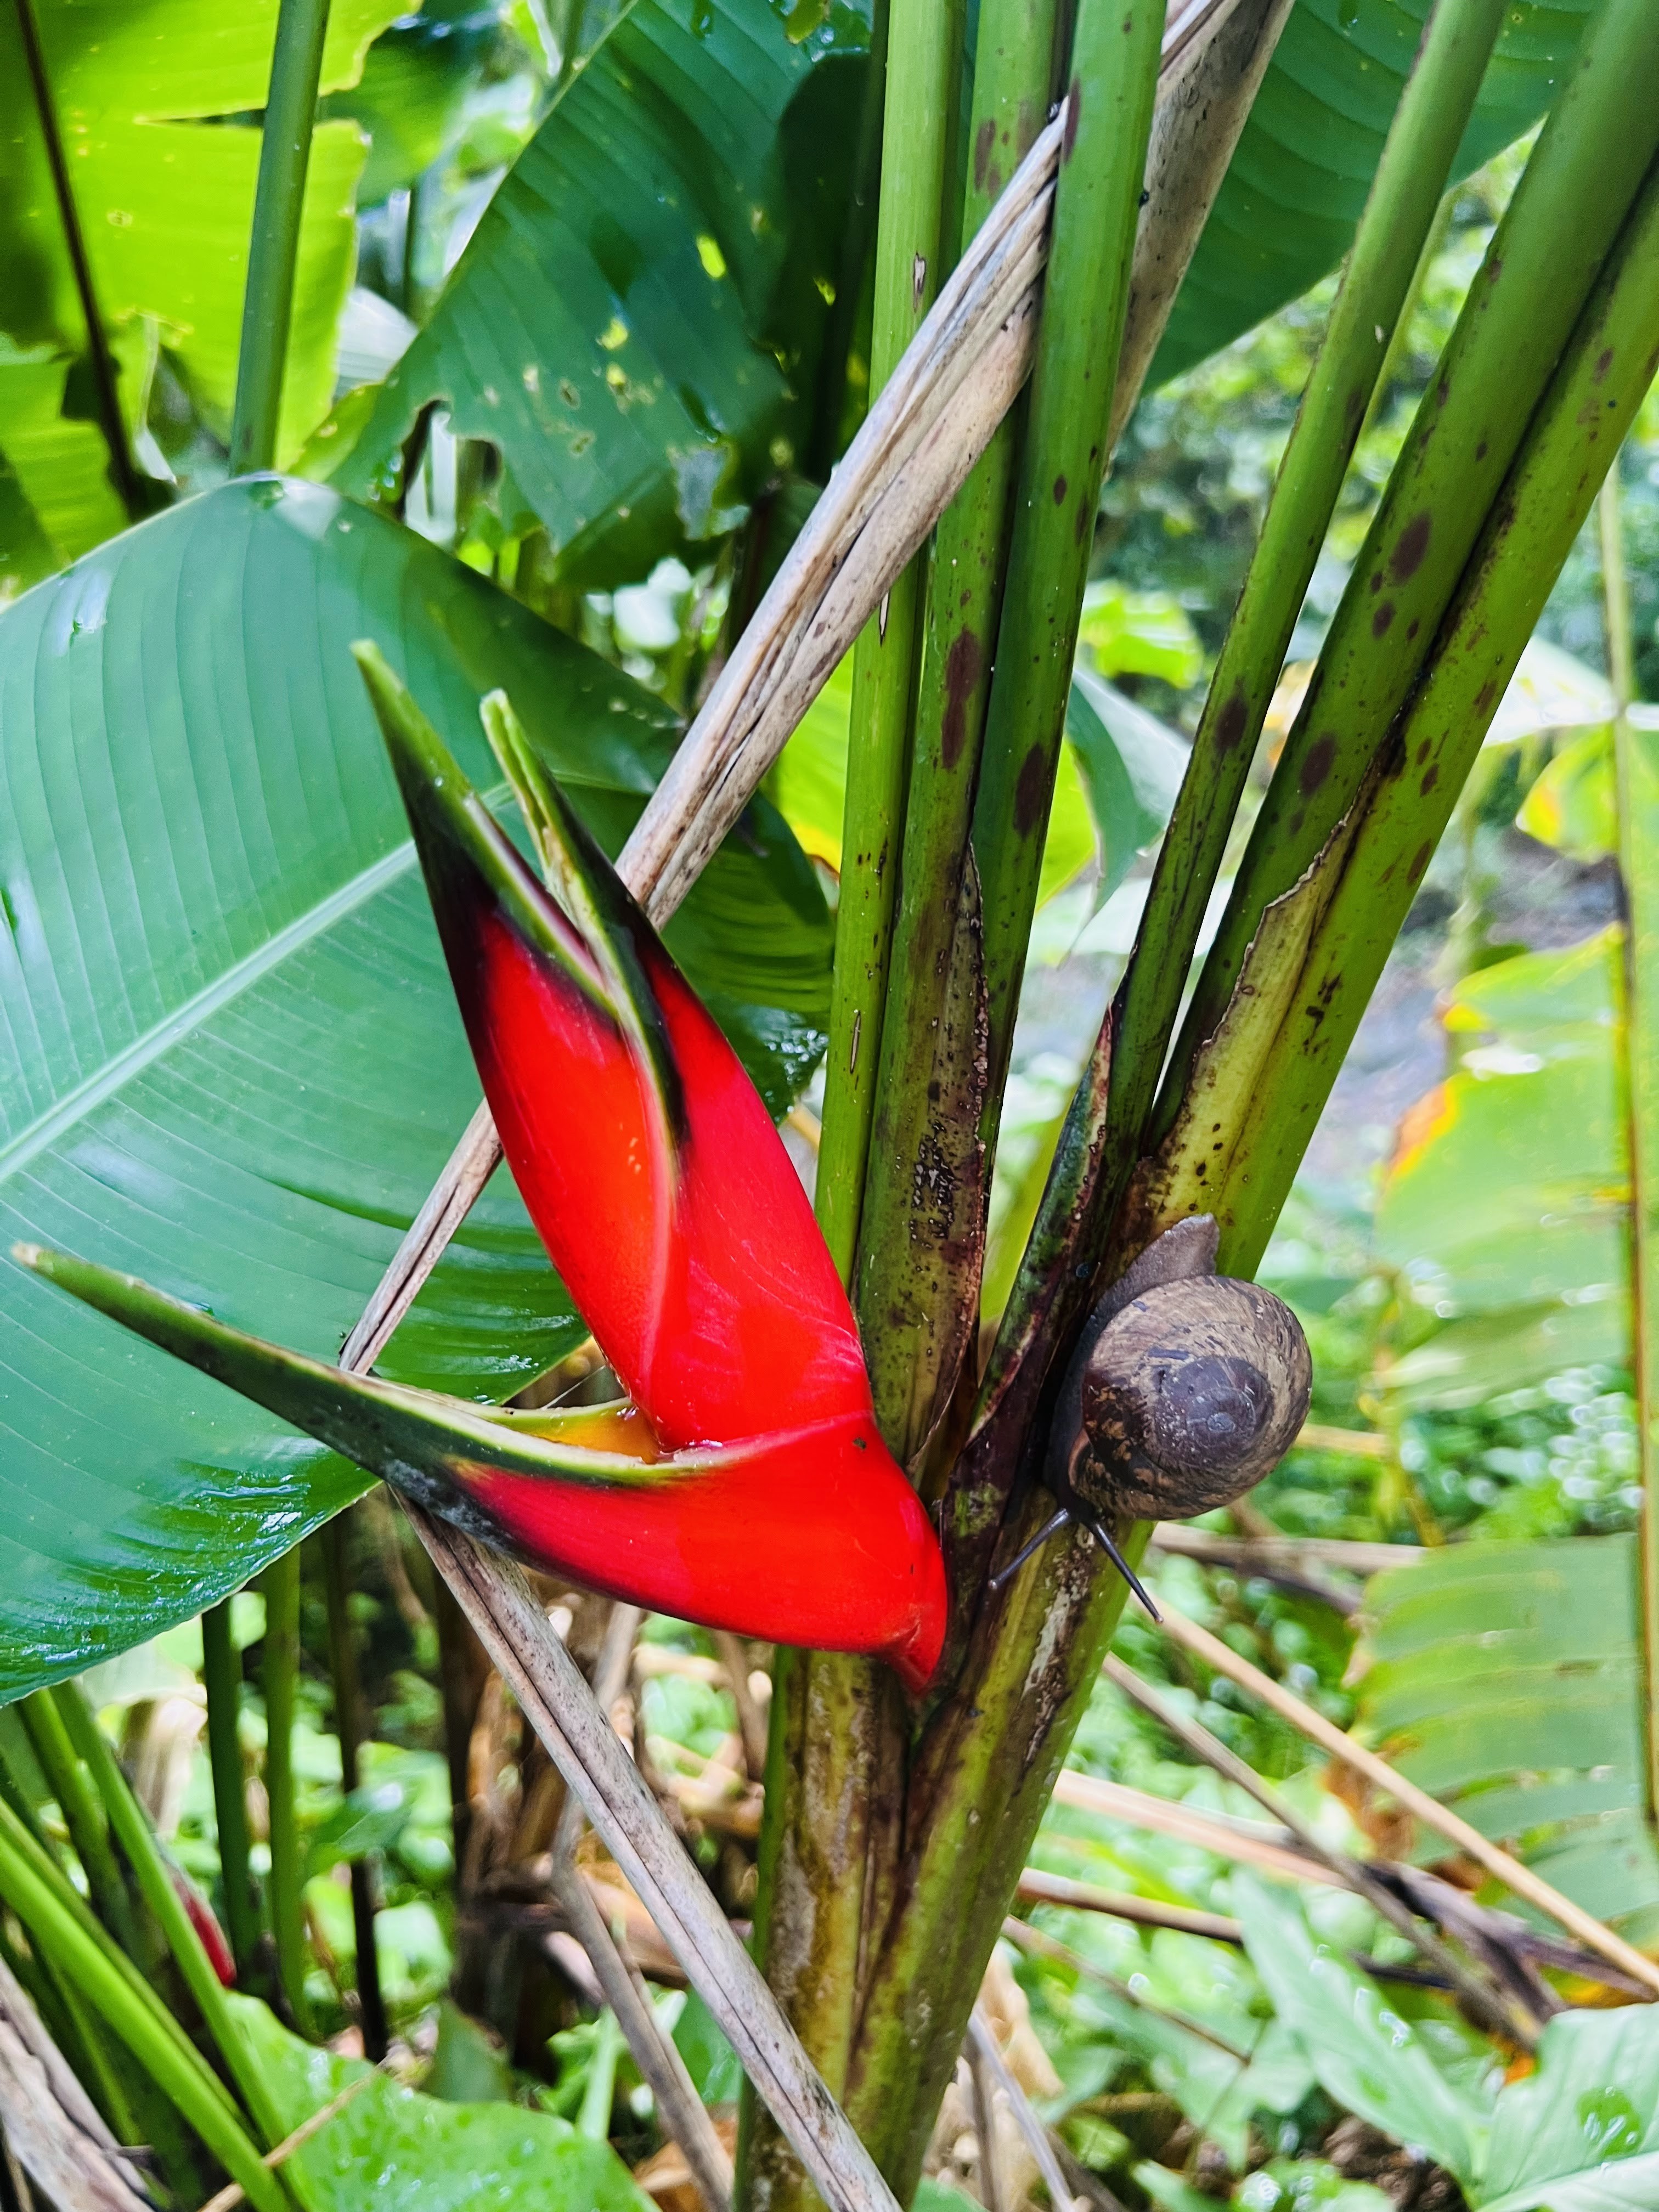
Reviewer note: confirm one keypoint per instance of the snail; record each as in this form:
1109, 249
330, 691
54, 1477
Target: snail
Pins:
1187, 1388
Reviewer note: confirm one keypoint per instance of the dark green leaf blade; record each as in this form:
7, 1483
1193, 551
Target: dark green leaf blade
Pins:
1292, 199
635, 323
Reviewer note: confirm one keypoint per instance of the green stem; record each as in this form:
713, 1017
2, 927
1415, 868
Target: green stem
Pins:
274, 249
926, 1191
123, 475
221, 1678
1326, 949
83, 1816
1113, 80
1543, 262
167, 2059
599, 2090
155, 1877
922, 63
1636, 752
1399, 216
349, 1726
281, 1583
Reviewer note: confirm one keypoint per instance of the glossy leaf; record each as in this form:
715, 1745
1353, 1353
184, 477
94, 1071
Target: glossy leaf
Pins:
1507, 1678
392, 2149
635, 323
1288, 209
235, 1062
165, 190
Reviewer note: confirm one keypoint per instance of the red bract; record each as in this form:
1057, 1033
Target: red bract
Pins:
744, 1482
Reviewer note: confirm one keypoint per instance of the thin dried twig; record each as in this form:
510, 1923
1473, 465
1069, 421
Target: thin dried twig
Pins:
751, 1720
983, 2045
1257, 1842
985, 2128
681, 2110
559, 1705
1498, 2007
1036, 1887
51, 2128
1594, 1934
1037, 1944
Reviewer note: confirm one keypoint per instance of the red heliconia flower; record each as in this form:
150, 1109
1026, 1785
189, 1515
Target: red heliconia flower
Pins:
743, 1482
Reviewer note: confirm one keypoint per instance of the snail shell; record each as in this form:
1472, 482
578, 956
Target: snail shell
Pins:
1190, 1394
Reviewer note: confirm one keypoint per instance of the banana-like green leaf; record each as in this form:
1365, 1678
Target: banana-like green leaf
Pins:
164, 190
1507, 1203
1508, 1680
1292, 199
233, 1061
1579, 2134
635, 323
392, 2149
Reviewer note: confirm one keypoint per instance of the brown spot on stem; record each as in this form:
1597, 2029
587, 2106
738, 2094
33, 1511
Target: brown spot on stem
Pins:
1420, 861
1486, 699
1407, 556
1030, 791
1382, 620
1604, 362
1230, 722
1073, 115
962, 666
1060, 491
1431, 776
1317, 765
985, 139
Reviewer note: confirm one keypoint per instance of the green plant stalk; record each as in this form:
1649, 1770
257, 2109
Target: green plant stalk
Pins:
827, 1728
1636, 756
138, 1839
167, 2059
599, 2090
221, 1678
83, 1816
274, 249
924, 1195
853, 1830
1542, 263
1337, 932
282, 1674
924, 47
123, 474
1112, 82
1401, 215
348, 1727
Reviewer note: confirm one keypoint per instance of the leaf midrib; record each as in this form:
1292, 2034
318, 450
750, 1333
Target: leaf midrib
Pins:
189, 1015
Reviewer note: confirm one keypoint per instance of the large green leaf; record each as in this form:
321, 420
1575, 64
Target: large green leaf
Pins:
1580, 2135
1508, 1680
1373, 2062
1292, 199
635, 323
1507, 1205
234, 1062
164, 190
392, 2149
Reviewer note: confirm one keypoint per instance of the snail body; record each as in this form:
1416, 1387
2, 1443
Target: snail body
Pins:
1187, 1389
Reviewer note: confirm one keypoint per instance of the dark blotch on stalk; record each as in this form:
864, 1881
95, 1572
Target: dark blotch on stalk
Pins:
1230, 722
961, 667
1073, 113
1420, 861
985, 139
1603, 364
1317, 765
1060, 491
1029, 791
1430, 779
1382, 620
1407, 556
